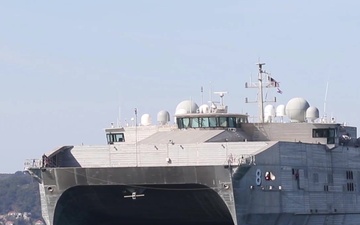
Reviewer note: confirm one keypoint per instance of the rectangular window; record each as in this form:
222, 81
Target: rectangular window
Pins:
239, 121
349, 175
324, 133
232, 122
119, 137
111, 138
186, 122
195, 122
326, 187
328, 133
204, 122
108, 137
223, 121
350, 186
180, 123
212, 122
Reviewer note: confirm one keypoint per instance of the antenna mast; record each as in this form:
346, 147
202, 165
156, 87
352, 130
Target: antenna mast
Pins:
326, 93
202, 95
260, 85
261, 97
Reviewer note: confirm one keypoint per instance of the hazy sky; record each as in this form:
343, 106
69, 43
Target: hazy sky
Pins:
67, 67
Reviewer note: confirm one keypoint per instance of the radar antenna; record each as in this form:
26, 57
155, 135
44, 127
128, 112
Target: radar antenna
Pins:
260, 85
221, 94
221, 108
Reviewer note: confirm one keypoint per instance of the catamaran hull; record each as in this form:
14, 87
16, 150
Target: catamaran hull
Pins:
161, 195
137, 195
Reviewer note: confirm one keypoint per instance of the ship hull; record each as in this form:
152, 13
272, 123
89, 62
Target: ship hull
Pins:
146, 195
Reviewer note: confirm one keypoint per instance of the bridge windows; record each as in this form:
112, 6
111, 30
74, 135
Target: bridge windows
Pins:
115, 137
223, 122
195, 122
204, 122
232, 122
328, 133
186, 122
210, 122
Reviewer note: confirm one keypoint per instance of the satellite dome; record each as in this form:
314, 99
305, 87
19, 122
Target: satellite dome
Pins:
312, 113
145, 120
163, 117
204, 109
185, 107
296, 109
280, 110
269, 113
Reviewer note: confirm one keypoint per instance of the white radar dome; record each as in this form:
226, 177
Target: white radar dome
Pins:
163, 117
269, 113
204, 109
296, 109
185, 107
312, 113
145, 120
280, 110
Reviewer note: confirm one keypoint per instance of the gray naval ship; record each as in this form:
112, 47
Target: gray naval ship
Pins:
209, 167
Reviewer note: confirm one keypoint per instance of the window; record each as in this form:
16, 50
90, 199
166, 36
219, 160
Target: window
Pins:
320, 133
239, 121
180, 123
223, 121
350, 186
111, 138
186, 122
326, 187
204, 122
212, 122
349, 175
119, 137
232, 122
195, 122
325, 133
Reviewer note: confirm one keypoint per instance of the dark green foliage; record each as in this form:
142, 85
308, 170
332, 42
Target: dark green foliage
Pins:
19, 193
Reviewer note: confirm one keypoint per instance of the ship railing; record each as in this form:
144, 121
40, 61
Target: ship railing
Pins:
32, 163
239, 160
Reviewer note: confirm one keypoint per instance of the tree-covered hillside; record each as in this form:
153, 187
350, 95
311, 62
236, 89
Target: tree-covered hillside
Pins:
19, 193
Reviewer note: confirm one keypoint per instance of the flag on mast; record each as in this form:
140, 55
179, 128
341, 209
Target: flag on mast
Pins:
273, 82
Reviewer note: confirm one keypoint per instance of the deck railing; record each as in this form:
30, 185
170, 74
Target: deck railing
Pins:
32, 163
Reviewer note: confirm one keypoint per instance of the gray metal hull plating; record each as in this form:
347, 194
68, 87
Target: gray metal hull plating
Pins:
206, 188
214, 192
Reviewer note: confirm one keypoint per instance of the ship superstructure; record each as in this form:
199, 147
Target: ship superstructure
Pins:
209, 167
